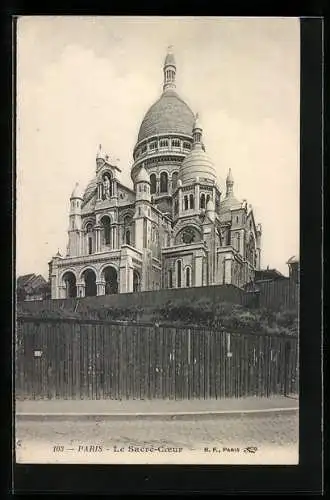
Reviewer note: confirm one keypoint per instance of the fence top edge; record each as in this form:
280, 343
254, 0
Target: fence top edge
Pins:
205, 328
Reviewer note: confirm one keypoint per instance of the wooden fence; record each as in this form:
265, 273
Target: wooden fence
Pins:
93, 359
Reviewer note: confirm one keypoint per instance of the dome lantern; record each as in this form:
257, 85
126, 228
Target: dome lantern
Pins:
169, 70
197, 133
229, 184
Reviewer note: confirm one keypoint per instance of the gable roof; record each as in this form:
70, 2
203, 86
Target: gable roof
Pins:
31, 282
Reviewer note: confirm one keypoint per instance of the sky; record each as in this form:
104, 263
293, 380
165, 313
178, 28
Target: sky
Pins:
85, 81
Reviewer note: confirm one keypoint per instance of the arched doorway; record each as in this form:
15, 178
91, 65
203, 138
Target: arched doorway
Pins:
111, 280
136, 281
90, 283
70, 284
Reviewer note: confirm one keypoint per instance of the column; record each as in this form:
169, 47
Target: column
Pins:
157, 184
126, 274
180, 201
228, 269
100, 286
115, 236
197, 197
198, 271
130, 278
62, 292
97, 238
81, 289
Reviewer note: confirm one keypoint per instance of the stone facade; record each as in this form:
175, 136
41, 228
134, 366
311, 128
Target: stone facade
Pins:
174, 229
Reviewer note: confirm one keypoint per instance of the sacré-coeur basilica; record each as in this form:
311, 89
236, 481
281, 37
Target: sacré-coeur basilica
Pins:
175, 229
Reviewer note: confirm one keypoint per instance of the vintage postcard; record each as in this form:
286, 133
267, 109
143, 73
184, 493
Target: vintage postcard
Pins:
157, 240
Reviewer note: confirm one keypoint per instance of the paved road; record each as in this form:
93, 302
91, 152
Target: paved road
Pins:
277, 431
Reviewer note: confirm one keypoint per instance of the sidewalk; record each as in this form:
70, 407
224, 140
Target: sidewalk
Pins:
152, 408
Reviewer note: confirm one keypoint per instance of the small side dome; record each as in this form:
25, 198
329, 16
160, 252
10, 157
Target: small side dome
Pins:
142, 176
197, 164
77, 193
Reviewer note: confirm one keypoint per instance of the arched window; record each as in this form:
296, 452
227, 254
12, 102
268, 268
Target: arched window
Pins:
188, 276
170, 279
176, 206
89, 231
106, 224
179, 269
191, 201
207, 199
163, 143
145, 188
202, 200
163, 182
174, 180
186, 202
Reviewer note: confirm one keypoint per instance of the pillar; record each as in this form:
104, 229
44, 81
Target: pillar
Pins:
115, 229
126, 274
113, 237
97, 238
81, 289
197, 201
228, 269
99, 191
100, 287
62, 292
198, 271
180, 201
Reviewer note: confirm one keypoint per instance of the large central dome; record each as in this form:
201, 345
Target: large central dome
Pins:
170, 114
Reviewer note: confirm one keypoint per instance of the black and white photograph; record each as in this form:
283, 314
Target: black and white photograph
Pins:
157, 240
